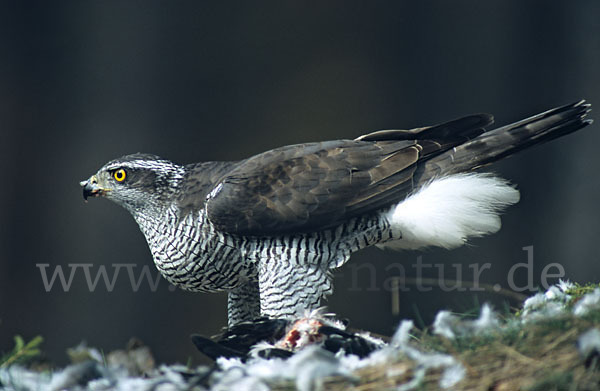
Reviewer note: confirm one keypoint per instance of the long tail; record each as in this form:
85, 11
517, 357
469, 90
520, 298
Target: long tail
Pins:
499, 143
452, 203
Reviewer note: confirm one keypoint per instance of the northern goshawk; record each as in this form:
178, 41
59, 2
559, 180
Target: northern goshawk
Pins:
269, 229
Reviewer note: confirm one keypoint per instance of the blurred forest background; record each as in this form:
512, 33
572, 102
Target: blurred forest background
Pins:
82, 82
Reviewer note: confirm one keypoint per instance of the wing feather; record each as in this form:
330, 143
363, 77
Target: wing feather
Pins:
314, 186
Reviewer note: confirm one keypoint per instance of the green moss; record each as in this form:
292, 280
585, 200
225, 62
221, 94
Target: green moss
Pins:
579, 290
554, 382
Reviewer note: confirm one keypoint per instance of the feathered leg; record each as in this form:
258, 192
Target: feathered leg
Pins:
243, 303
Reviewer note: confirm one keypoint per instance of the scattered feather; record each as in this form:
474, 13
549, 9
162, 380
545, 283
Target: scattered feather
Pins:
309, 365
565, 285
589, 342
590, 301
451, 326
75, 375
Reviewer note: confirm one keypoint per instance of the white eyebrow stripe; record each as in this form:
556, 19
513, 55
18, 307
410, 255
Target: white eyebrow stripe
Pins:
151, 164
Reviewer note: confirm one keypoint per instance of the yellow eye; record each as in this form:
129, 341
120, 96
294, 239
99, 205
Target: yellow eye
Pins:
119, 175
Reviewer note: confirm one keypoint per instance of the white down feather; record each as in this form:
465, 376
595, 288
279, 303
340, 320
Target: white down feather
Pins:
450, 210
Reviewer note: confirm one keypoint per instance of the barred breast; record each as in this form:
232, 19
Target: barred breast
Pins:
191, 254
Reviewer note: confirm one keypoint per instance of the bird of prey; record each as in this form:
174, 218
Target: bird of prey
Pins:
270, 228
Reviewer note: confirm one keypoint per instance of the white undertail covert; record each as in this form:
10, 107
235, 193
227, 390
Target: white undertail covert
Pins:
450, 210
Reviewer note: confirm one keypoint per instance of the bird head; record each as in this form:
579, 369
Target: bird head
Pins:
134, 181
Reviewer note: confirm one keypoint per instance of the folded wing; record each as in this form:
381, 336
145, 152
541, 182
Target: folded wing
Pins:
309, 187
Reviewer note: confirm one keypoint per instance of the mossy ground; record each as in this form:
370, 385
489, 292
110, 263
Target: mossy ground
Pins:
540, 356
534, 356
528, 356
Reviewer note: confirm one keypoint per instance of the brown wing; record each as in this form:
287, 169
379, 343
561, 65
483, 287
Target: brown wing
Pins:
314, 186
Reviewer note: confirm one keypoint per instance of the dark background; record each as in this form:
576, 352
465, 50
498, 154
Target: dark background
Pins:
83, 82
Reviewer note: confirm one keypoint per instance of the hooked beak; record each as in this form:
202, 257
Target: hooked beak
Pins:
91, 188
